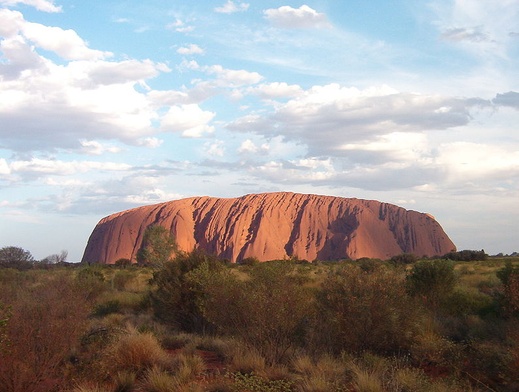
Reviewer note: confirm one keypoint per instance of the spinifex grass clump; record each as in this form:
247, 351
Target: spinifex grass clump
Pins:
137, 352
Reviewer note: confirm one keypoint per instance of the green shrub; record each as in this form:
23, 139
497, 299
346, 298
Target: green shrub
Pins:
92, 281
267, 311
467, 255
432, 281
463, 302
250, 261
404, 258
121, 279
365, 311
123, 263
174, 299
106, 308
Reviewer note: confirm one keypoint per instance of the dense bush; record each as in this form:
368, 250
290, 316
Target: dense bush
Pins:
269, 311
45, 324
467, 255
404, 258
432, 281
509, 277
173, 299
366, 310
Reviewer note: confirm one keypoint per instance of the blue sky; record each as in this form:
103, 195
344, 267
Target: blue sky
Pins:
114, 104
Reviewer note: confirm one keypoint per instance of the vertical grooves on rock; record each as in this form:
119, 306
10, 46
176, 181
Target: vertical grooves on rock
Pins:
294, 235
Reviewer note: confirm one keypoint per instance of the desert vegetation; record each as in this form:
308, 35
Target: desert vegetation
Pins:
192, 322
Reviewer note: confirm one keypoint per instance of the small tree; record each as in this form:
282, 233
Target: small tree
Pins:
15, 257
158, 246
55, 258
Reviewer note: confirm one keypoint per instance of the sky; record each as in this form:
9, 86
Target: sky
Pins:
114, 104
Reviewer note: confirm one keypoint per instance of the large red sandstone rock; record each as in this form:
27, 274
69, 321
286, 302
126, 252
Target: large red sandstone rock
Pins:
274, 226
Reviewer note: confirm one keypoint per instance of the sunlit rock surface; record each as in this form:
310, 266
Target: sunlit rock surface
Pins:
274, 226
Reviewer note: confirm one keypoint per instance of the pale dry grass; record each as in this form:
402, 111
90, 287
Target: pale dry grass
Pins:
136, 351
157, 380
246, 360
188, 366
125, 381
324, 374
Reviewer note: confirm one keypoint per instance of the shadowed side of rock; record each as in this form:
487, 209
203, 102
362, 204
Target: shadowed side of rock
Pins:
274, 226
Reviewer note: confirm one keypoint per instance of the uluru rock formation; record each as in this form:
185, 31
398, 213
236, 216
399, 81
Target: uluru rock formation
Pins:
274, 226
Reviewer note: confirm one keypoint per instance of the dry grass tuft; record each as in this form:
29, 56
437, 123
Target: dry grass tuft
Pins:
124, 381
158, 380
136, 351
247, 360
188, 367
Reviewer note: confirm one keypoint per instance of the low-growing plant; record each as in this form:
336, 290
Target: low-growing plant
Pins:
106, 308
252, 382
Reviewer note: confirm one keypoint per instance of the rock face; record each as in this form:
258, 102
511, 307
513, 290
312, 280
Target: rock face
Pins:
274, 226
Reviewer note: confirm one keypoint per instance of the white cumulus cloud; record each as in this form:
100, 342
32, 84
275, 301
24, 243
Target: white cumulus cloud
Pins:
303, 17
190, 120
65, 43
